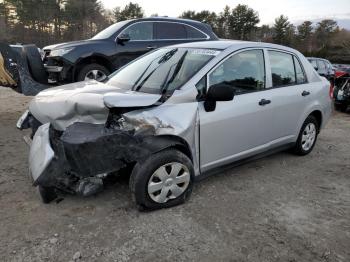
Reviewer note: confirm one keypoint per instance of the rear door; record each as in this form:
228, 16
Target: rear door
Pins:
290, 92
141, 41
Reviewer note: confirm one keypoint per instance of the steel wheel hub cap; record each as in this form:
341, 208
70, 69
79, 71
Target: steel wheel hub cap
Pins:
309, 136
95, 75
168, 182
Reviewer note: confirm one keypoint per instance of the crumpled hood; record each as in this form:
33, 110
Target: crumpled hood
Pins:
84, 102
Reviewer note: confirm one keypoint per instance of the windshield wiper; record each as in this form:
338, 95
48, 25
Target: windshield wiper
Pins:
176, 71
164, 59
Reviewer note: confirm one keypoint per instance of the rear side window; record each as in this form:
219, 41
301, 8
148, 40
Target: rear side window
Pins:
282, 69
170, 31
193, 33
140, 31
299, 72
244, 71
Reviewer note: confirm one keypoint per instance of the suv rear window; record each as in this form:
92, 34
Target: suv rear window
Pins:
170, 31
193, 33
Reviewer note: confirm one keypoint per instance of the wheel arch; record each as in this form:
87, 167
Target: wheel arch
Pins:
162, 142
93, 59
318, 115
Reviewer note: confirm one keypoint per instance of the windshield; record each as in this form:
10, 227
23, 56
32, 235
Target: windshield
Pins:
162, 70
109, 31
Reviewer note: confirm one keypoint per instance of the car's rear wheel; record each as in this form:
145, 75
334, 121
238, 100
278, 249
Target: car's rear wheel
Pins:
307, 136
163, 180
93, 72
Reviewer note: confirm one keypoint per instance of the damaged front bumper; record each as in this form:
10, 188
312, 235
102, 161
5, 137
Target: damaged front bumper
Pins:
41, 154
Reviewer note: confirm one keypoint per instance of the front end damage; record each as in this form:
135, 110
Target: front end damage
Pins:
78, 158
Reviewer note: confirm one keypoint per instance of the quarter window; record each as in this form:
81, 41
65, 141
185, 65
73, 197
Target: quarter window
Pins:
170, 31
244, 71
300, 75
282, 69
140, 31
193, 33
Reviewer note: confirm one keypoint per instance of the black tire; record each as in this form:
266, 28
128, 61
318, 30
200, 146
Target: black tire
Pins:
298, 148
35, 64
341, 107
89, 67
48, 194
143, 172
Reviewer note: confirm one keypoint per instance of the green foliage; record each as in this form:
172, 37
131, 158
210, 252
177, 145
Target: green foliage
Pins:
130, 11
243, 22
50, 21
281, 30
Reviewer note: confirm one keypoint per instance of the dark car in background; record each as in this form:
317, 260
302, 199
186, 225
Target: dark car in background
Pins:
323, 67
117, 45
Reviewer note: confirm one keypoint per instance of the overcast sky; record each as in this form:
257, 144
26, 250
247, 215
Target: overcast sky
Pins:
268, 10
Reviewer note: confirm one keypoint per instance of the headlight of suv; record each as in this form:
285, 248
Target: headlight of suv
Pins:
61, 51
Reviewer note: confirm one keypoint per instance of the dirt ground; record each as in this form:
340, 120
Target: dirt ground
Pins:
279, 208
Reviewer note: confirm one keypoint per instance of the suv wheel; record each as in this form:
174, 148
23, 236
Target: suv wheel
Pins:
162, 180
93, 72
307, 136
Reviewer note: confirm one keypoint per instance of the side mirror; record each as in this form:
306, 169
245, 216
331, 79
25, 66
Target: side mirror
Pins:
316, 68
218, 92
123, 38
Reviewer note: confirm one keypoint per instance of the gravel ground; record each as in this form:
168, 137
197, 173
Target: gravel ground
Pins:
280, 208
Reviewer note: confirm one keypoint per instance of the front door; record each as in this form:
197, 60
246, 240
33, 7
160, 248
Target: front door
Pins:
242, 127
140, 41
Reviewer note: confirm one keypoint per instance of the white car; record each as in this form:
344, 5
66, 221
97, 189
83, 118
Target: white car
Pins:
175, 115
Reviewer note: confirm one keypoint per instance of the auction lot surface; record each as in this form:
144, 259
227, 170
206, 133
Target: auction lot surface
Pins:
280, 208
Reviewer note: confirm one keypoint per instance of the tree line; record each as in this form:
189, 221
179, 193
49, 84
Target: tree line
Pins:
52, 21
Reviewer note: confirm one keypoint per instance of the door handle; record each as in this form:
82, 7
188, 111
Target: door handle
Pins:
305, 93
263, 102
151, 47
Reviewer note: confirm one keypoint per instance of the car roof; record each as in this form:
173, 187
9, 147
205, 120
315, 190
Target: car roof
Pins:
165, 18
233, 44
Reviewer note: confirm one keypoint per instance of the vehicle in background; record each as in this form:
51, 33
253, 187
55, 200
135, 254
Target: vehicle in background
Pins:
342, 90
173, 115
341, 68
117, 45
323, 67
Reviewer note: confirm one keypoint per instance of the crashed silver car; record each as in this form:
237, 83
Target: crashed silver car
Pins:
173, 116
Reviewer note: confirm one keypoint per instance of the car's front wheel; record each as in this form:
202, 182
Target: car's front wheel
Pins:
162, 180
307, 136
93, 72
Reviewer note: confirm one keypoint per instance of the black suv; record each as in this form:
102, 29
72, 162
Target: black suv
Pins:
117, 45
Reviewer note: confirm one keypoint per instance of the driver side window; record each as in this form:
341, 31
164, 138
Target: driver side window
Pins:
244, 71
140, 31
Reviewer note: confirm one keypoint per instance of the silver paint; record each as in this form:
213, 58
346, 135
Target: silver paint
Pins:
235, 130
